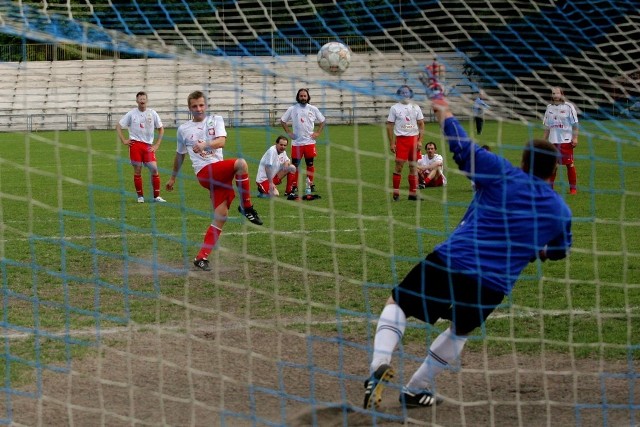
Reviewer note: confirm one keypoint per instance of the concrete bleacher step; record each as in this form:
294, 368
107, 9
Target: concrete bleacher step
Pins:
246, 89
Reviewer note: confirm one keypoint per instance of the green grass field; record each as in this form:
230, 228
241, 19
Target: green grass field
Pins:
79, 254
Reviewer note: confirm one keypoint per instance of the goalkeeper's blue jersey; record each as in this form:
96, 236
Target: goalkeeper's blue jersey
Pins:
512, 216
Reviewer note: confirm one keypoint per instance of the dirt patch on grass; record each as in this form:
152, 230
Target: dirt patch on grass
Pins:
251, 373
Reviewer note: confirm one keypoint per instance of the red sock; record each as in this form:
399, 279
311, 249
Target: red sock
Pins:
413, 184
137, 182
210, 240
396, 182
291, 180
427, 180
155, 182
242, 183
311, 171
572, 176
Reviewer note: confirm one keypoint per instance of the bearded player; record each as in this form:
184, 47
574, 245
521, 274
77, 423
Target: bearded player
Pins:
303, 117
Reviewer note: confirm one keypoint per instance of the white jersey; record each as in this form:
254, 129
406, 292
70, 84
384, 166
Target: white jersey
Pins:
303, 119
189, 133
405, 117
141, 124
274, 161
560, 119
426, 162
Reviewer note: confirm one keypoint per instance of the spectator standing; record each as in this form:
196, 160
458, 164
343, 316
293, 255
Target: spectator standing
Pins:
479, 106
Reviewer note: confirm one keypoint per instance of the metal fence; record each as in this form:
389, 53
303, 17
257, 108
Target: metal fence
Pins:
233, 118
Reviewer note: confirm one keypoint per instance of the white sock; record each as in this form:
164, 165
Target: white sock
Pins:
444, 353
389, 332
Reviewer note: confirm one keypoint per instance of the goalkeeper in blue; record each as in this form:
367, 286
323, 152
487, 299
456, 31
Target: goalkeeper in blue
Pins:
514, 218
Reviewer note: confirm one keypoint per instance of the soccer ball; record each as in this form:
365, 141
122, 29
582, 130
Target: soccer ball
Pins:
334, 58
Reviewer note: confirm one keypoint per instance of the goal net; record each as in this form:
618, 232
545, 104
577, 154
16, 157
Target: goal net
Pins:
106, 320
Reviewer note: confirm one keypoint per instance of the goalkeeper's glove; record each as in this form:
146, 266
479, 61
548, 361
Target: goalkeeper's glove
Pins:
434, 90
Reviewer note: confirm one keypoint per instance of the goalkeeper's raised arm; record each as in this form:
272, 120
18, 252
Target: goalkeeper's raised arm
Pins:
479, 164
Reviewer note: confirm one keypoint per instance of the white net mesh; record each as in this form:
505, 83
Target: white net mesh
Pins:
105, 321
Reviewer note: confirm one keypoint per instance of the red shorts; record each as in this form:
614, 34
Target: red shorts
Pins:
139, 152
218, 179
407, 148
566, 153
307, 151
263, 187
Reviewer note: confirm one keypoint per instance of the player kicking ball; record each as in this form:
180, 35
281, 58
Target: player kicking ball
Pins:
466, 277
203, 138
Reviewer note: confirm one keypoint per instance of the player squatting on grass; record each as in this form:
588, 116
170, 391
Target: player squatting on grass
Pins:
515, 217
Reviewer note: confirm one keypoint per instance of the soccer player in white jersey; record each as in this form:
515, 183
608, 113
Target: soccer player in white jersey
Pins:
405, 129
203, 138
561, 128
142, 122
303, 132
430, 168
274, 165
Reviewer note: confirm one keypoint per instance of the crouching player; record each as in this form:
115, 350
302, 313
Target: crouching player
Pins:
430, 168
274, 165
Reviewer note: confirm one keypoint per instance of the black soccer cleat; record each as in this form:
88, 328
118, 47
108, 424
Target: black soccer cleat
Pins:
202, 264
251, 214
422, 398
374, 386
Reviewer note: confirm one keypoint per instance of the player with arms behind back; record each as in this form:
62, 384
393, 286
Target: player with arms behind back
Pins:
405, 129
561, 128
515, 217
142, 123
203, 138
303, 117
